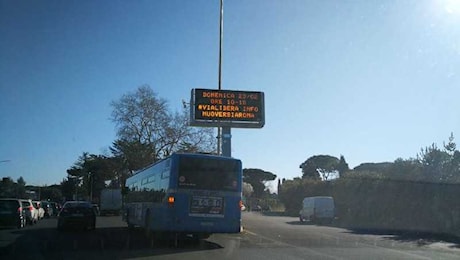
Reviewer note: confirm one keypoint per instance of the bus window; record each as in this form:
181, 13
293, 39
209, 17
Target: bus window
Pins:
201, 173
165, 174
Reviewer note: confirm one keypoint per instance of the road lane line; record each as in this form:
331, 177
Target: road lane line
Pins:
411, 255
314, 252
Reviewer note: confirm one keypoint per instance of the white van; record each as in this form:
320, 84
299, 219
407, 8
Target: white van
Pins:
320, 209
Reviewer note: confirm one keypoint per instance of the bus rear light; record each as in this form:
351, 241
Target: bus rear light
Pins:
241, 204
171, 200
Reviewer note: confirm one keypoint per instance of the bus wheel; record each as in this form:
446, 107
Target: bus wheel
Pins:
176, 240
130, 226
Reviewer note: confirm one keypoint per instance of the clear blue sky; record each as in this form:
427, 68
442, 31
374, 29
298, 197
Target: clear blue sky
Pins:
370, 80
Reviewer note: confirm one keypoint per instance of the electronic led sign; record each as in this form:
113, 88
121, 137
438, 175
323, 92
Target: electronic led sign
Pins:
230, 108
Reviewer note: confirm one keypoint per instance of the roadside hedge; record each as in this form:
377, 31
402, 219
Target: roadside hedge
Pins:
383, 203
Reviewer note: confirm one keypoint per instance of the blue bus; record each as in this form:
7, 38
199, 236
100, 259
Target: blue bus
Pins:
191, 195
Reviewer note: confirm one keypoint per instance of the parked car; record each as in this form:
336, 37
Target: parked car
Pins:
77, 214
12, 213
30, 210
41, 211
257, 208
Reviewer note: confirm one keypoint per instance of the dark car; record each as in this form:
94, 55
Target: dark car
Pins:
55, 208
96, 209
12, 213
48, 208
77, 214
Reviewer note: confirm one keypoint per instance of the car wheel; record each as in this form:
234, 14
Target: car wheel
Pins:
92, 225
130, 226
20, 224
60, 226
147, 231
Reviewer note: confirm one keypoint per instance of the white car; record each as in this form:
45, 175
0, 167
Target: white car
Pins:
41, 211
30, 210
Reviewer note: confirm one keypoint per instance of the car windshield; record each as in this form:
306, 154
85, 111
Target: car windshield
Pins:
196, 129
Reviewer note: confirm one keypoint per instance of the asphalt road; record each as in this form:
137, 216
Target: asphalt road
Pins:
263, 237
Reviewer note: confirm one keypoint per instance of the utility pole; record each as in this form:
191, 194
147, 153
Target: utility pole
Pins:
91, 187
223, 133
219, 79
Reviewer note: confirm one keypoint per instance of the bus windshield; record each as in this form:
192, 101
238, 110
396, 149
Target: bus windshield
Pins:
205, 174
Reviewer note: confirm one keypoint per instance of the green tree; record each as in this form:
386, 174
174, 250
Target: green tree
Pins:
257, 178
434, 162
374, 167
320, 167
7, 187
69, 187
409, 169
20, 188
93, 170
51, 193
452, 167
455, 167
342, 167
450, 147
132, 155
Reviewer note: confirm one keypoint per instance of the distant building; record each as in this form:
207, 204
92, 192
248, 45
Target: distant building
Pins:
31, 194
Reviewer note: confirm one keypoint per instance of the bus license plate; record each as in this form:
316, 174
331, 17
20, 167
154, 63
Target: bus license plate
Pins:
206, 205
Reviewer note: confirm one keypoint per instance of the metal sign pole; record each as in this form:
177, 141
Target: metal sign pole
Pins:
223, 134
